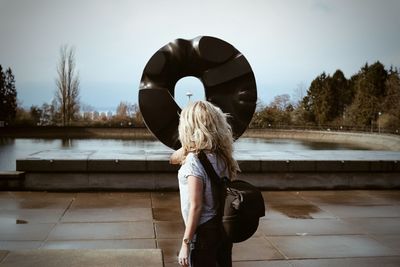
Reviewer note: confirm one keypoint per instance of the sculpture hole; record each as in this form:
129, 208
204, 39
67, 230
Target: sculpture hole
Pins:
188, 89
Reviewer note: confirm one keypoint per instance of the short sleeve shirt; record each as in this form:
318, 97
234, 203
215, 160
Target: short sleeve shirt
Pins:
193, 167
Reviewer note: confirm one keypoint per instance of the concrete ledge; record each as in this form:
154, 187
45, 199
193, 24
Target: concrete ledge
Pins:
168, 181
325, 180
12, 179
84, 257
101, 181
91, 170
251, 166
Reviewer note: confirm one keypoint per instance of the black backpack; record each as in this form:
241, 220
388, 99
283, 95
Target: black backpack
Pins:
239, 204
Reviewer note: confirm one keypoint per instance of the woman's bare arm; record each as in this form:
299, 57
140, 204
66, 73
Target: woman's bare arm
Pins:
196, 204
195, 186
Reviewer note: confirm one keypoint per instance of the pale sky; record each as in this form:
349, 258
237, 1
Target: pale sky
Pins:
287, 42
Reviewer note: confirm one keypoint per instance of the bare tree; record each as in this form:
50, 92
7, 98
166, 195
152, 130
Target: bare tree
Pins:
67, 94
298, 93
281, 102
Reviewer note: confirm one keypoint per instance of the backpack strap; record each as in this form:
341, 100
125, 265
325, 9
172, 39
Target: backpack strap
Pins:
217, 186
208, 167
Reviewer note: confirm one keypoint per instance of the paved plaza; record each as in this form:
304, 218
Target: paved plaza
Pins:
305, 228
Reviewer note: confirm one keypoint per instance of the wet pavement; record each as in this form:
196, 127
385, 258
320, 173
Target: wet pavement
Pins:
301, 228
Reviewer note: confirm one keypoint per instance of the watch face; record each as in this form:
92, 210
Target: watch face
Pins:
186, 240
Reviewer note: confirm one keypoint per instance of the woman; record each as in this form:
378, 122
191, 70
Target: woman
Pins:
203, 126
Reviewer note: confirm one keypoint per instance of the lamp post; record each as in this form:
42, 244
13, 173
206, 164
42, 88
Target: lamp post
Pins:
189, 95
379, 121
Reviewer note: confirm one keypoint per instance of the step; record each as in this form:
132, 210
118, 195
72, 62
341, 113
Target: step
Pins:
12, 180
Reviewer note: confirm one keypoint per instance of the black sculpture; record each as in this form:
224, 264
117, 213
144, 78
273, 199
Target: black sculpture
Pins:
225, 73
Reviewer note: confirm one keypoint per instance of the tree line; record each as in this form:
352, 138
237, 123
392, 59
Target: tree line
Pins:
369, 100
125, 115
65, 109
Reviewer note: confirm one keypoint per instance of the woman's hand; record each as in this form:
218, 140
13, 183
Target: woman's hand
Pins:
177, 156
183, 258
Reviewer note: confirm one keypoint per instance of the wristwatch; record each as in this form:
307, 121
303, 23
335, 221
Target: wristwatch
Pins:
187, 241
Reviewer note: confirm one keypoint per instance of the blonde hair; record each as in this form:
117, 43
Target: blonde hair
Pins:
203, 126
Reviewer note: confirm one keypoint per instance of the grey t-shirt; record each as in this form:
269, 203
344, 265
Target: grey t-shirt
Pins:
192, 166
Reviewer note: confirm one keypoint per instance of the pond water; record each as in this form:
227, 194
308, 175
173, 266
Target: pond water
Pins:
13, 148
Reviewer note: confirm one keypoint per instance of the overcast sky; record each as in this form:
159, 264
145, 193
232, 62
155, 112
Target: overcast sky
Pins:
286, 42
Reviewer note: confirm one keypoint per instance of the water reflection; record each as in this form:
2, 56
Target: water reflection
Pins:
259, 144
6, 141
67, 143
305, 211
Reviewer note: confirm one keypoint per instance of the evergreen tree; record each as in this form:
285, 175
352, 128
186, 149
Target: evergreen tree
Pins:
320, 99
8, 96
391, 110
370, 92
343, 92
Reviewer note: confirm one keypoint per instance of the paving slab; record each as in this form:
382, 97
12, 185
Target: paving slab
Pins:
101, 244
351, 262
362, 211
355, 197
20, 245
45, 202
61, 258
376, 225
170, 248
166, 229
269, 263
108, 215
167, 214
257, 248
3, 254
169, 200
32, 232
32, 215
334, 246
301, 227
385, 197
112, 200
87, 231
390, 241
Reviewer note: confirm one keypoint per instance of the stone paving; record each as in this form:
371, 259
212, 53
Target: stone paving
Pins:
304, 228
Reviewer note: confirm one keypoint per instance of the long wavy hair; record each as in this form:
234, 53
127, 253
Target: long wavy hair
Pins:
203, 126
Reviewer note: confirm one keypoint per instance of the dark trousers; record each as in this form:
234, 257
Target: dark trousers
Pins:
210, 248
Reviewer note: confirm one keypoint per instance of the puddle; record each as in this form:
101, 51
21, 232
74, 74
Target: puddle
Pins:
297, 212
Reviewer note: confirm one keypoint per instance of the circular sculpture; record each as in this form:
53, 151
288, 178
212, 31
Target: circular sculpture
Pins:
227, 77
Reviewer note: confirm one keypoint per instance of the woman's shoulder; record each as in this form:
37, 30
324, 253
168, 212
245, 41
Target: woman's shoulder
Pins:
191, 158
192, 166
